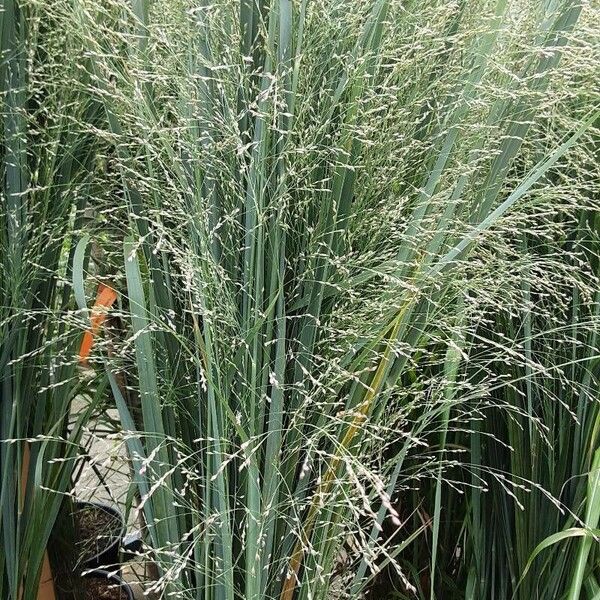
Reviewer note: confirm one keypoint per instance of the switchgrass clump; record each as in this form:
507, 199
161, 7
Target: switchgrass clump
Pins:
47, 160
303, 186
355, 250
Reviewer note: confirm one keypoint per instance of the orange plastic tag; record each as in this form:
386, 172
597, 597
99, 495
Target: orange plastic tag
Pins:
105, 298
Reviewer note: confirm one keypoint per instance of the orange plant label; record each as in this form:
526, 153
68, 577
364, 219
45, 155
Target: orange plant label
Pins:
105, 298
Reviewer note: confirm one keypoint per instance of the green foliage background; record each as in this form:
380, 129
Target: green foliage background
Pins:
356, 250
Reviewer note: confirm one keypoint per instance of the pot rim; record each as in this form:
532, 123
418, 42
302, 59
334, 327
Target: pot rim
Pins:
114, 578
96, 559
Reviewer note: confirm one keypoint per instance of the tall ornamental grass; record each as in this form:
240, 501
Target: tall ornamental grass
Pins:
355, 248
324, 221
46, 163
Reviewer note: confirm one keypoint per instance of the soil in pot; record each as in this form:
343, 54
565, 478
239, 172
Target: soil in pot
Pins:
96, 530
102, 588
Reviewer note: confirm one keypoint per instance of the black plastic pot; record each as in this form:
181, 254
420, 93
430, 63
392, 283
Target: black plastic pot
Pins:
112, 579
107, 554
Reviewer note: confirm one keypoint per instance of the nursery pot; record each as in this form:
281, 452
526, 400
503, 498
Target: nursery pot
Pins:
103, 585
100, 529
